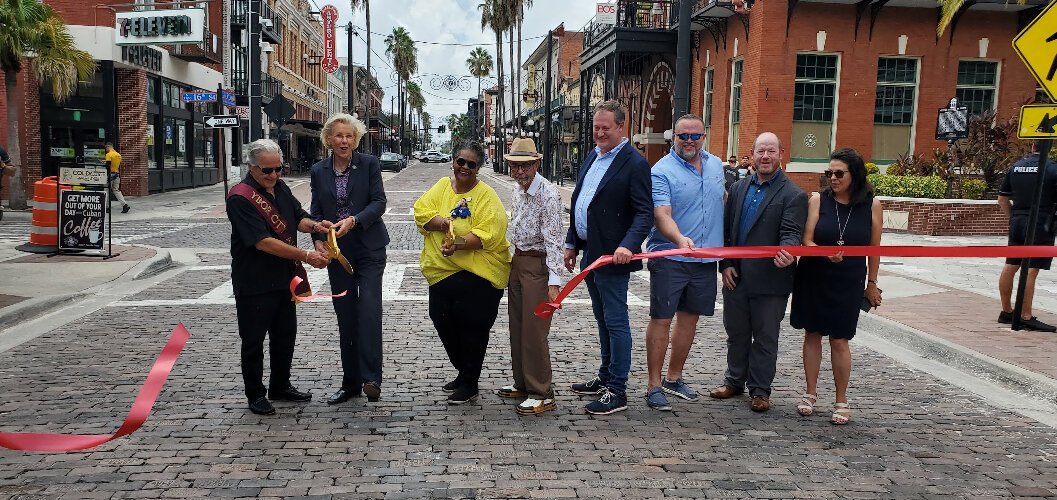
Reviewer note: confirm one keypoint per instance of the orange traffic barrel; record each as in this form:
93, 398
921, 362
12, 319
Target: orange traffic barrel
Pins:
44, 233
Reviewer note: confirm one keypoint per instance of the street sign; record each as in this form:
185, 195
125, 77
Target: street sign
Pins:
952, 123
1037, 47
243, 112
280, 109
199, 97
203, 96
221, 121
1038, 121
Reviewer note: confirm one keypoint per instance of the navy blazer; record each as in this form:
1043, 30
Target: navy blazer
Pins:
620, 214
780, 220
366, 199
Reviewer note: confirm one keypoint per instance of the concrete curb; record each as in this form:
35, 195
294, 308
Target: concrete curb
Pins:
161, 261
35, 308
929, 346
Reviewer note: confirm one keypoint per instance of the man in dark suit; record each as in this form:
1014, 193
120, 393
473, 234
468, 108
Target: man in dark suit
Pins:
763, 209
347, 188
612, 213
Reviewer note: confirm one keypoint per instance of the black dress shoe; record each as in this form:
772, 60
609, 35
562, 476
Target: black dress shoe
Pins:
451, 386
262, 406
344, 394
373, 391
290, 394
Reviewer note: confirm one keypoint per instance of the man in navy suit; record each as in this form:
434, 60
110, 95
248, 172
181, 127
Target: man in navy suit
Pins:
612, 213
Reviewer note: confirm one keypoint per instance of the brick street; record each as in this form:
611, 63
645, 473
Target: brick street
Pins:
912, 435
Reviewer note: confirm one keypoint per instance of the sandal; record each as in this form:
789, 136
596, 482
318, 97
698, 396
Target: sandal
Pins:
807, 405
841, 414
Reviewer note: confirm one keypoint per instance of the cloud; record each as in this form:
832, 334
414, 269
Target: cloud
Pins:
449, 21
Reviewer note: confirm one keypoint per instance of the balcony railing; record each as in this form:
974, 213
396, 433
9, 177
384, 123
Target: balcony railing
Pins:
270, 86
640, 14
240, 11
207, 52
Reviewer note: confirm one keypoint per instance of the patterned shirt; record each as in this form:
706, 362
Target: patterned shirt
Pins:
536, 223
342, 182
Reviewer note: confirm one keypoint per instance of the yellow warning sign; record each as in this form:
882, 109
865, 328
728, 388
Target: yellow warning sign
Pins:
1037, 47
1038, 121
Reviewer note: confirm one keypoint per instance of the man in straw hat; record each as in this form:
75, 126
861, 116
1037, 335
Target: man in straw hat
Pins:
535, 232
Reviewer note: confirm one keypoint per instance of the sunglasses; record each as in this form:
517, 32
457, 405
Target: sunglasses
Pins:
834, 173
463, 162
689, 137
522, 166
270, 170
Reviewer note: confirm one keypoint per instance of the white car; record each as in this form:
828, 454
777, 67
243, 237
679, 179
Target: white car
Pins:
435, 156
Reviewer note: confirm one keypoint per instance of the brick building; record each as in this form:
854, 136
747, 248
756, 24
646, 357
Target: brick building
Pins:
565, 68
821, 75
133, 100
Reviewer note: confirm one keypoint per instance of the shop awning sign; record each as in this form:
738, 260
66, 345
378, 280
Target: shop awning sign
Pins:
329, 62
221, 121
606, 13
83, 175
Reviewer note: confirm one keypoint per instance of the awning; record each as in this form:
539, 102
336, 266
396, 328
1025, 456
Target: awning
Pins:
303, 127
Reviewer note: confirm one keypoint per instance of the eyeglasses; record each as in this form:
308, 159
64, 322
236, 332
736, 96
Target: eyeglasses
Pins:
463, 162
522, 166
835, 173
689, 137
270, 170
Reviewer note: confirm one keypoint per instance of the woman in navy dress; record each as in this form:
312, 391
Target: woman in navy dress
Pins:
828, 291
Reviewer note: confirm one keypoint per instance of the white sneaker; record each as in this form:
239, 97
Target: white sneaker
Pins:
533, 406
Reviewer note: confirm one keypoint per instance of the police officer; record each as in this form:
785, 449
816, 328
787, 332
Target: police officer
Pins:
1015, 198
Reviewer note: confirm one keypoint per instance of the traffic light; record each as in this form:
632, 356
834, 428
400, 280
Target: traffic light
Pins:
440, 129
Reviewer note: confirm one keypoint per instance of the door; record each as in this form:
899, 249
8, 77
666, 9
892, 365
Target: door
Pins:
71, 146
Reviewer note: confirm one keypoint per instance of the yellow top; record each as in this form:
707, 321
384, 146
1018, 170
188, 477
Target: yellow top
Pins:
487, 221
114, 159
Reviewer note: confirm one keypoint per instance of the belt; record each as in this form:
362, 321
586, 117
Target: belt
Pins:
529, 253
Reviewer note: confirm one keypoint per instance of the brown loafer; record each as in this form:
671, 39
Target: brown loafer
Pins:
724, 392
761, 403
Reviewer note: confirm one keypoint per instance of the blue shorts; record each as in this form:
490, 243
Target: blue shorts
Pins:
688, 287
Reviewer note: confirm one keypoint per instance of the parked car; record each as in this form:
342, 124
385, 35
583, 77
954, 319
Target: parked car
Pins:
435, 156
417, 154
393, 161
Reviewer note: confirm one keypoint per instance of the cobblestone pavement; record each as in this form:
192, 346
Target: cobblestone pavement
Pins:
912, 435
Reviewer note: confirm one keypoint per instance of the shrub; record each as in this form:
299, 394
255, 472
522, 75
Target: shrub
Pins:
973, 189
871, 168
908, 186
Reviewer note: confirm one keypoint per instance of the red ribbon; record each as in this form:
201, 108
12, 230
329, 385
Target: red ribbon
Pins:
308, 298
546, 309
141, 407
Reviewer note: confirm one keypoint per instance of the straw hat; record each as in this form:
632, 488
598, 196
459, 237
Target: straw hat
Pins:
522, 149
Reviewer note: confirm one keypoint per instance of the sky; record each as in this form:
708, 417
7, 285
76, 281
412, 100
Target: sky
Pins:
447, 21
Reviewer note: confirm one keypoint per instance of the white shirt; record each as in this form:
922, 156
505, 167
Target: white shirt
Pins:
536, 223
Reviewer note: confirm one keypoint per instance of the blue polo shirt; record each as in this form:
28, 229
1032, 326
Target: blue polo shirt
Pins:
754, 197
589, 187
696, 200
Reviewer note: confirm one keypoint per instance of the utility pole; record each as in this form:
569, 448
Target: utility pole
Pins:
548, 168
254, 69
682, 62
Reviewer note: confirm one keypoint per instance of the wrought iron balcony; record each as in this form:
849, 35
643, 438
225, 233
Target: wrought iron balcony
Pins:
272, 33
634, 14
207, 52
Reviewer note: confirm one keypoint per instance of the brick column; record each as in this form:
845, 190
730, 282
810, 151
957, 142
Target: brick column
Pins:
30, 133
132, 129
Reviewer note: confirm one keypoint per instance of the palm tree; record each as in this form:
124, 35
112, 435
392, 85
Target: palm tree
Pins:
427, 126
518, 8
480, 65
400, 48
355, 5
949, 9
31, 27
494, 16
415, 100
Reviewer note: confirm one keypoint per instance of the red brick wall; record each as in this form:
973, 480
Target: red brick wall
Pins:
770, 65
132, 131
30, 133
951, 218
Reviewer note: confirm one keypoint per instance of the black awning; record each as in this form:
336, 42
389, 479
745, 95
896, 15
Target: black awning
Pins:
312, 124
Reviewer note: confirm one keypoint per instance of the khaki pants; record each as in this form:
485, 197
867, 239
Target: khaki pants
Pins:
115, 189
530, 354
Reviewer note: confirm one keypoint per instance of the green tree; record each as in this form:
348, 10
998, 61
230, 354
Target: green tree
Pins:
427, 126
495, 16
401, 50
32, 30
517, 10
480, 65
460, 126
366, 6
415, 100
949, 9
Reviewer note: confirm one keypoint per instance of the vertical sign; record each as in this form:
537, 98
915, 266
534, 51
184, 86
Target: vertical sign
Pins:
81, 219
330, 56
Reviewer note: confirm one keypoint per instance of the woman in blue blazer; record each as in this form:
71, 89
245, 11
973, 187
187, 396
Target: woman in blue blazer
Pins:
347, 189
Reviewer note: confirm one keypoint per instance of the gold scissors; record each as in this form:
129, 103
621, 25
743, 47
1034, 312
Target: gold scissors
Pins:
335, 252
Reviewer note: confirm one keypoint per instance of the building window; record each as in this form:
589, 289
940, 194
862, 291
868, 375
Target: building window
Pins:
977, 82
706, 114
894, 109
152, 90
814, 106
735, 105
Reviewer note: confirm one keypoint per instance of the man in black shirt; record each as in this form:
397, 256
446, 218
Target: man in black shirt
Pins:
730, 172
1015, 199
263, 263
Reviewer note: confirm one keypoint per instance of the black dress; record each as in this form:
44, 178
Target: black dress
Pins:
827, 295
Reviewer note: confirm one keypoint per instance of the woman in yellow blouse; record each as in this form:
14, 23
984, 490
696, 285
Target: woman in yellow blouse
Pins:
466, 261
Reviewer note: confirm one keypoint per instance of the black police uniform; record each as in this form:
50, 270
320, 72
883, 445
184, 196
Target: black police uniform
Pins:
1019, 185
261, 282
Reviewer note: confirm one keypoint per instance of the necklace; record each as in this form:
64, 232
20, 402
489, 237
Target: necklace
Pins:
836, 207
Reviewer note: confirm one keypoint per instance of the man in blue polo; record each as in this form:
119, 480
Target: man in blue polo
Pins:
688, 194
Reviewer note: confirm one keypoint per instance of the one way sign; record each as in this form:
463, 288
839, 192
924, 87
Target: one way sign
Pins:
222, 121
